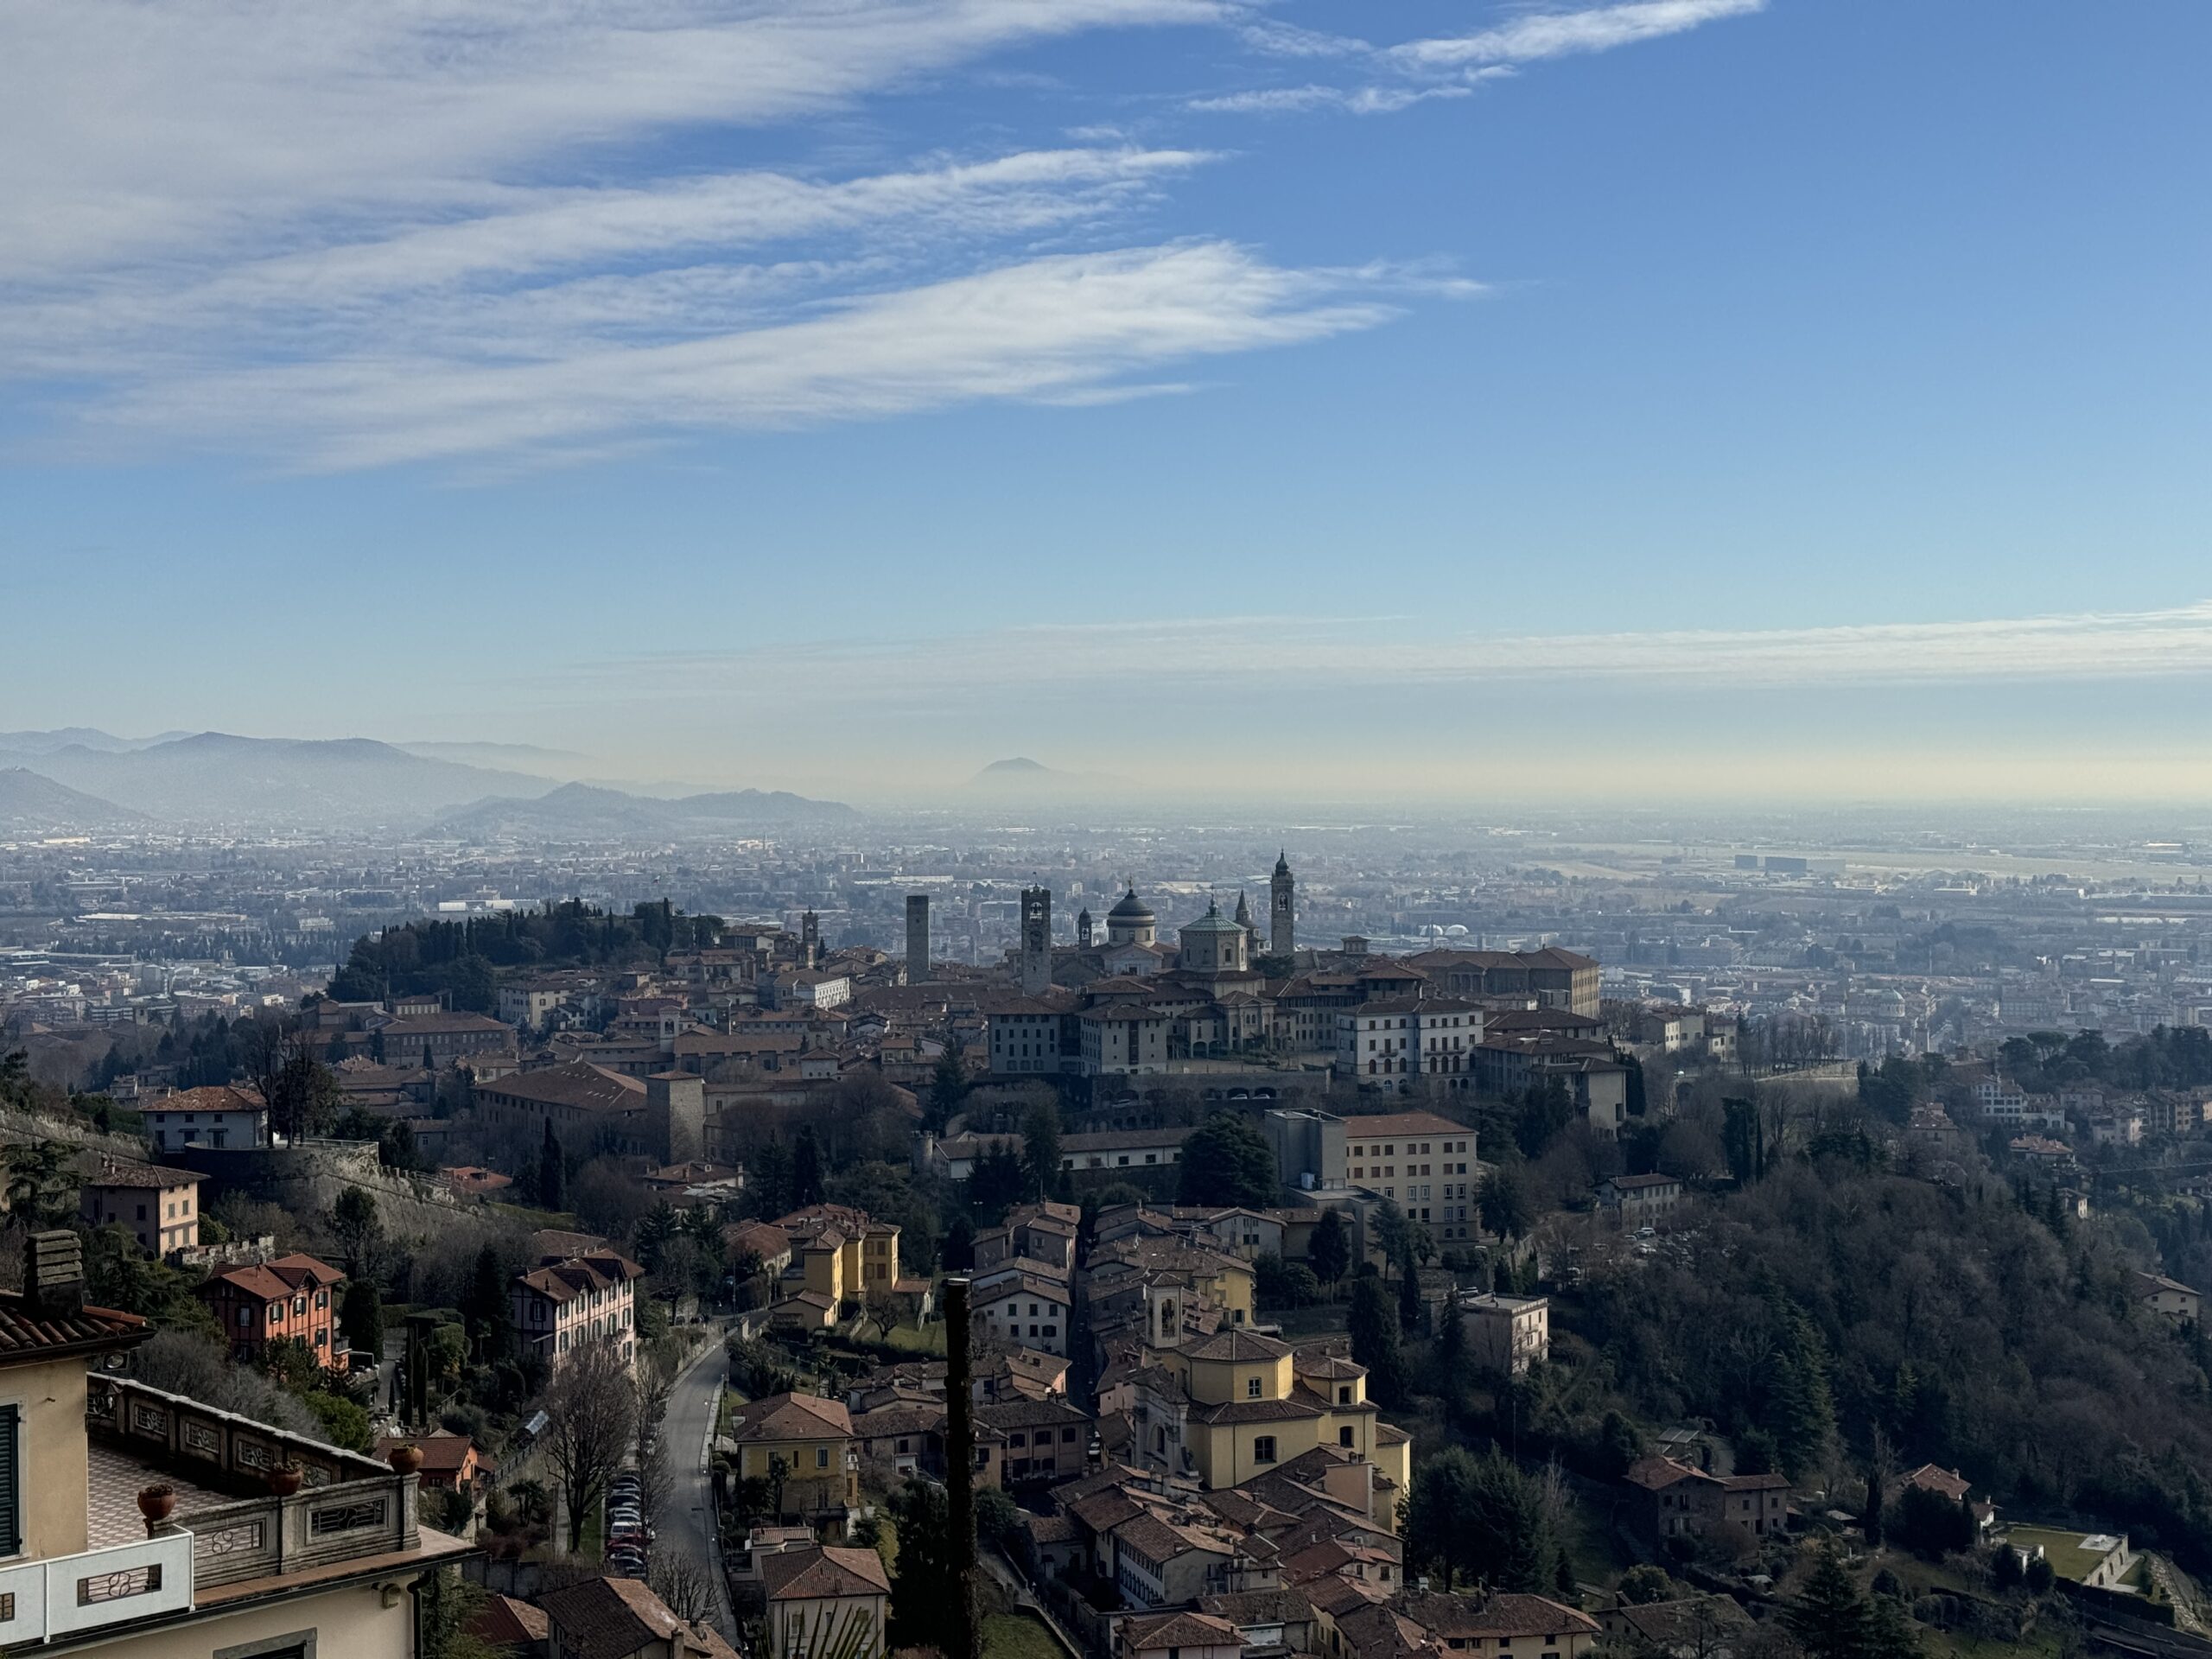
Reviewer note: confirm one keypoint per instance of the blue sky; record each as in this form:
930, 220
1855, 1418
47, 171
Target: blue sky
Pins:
1427, 397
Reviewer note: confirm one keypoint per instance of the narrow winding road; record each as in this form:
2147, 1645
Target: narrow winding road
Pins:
686, 1529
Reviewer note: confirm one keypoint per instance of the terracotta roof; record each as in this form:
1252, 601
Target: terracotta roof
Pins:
1497, 1615
1259, 1411
503, 1622
274, 1281
822, 1572
209, 1098
1180, 1630
443, 1451
792, 1417
122, 1171
764, 1238
1235, 1344
1657, 1473
611, 1619
28, 1332
564, 1281
579, 1085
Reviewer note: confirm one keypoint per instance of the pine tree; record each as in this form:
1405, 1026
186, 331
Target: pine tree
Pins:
1890, 1633
806, 1170
1374, 1329
552, 1172
1328, 1251
1409, 1304
1799, 1411
1830, 1618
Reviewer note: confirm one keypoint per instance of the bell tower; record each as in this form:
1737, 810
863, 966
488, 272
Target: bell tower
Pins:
1036, 941
1282, 909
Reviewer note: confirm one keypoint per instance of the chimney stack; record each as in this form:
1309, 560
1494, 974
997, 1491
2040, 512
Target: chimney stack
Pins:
54, 1273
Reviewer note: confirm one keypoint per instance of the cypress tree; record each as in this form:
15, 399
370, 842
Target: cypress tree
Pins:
552, 1172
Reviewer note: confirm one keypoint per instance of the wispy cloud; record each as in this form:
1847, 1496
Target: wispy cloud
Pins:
1063, 327
1296, 100
1451, 65
340, 235
1561, 34
1349, 653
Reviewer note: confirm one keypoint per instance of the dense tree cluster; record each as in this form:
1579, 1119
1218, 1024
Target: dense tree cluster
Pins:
463, 958
1829, 1302
1226, 1160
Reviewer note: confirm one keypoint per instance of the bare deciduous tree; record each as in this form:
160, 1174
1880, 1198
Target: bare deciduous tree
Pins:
593, 1403
684, 1586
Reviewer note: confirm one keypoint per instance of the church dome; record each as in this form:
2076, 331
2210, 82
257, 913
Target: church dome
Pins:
1213, 922
1130, 909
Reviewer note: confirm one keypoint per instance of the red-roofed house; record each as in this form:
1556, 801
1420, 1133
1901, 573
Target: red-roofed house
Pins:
293, 1297
559, 1307
825, 1600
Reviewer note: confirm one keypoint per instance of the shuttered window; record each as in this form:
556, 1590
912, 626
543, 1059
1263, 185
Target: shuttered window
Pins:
11, 1485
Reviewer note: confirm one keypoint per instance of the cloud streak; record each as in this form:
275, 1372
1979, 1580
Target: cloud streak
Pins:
1257, 652
1065, 329
1538, 35
1452, 66
336, 236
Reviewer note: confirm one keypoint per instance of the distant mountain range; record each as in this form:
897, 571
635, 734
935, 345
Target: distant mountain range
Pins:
212, 777
29, 802
582, 810
84, 737
500, 757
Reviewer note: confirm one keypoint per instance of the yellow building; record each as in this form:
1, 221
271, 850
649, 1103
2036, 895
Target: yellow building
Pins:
1216, 1277
841, 1253
801, 1447
1236, 1405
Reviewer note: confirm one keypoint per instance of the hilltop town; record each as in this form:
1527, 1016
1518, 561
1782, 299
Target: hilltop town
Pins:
1320, 1295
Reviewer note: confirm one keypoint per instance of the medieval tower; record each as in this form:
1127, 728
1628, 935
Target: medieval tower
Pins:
918, 938
1036, 941
1282, 909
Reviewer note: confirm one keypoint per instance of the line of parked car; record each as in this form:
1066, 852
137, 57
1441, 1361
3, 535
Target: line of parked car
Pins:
629, 1539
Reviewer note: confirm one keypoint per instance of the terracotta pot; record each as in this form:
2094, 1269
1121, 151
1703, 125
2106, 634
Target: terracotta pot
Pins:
157, 1503
284, 1479
405, 1459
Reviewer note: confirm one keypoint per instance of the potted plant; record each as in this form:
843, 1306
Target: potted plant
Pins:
284, 1478
405, 1459
156, 1503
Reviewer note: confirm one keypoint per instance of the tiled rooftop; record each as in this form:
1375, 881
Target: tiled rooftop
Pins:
113, 1479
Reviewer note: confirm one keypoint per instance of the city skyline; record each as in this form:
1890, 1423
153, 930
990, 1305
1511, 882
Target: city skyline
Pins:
843, 406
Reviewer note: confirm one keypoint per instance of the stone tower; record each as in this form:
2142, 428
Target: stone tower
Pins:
809, 940
1083, 929
918, 938
1282, 909
1036, 940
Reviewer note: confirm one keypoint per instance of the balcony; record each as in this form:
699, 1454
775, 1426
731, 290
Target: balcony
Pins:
229, 1526
40, 1600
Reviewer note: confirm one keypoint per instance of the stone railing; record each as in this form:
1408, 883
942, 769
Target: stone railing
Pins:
260, 1537
65, 1594
207, 1445
347, 1505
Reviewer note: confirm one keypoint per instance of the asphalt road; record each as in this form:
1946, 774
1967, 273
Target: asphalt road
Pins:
686, 1528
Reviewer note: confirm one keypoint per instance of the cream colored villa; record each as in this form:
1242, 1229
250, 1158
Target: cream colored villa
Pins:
138, 1524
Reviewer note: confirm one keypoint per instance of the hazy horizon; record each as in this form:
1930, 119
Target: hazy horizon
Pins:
1684, 399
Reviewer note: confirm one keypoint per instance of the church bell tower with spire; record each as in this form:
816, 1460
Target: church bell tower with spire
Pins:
1283, 910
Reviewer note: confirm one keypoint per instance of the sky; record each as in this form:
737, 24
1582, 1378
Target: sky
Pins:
1420, 398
